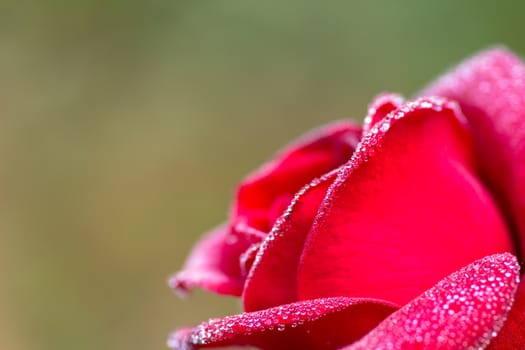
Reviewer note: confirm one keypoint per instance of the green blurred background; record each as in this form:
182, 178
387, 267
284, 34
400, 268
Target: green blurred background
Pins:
126, 124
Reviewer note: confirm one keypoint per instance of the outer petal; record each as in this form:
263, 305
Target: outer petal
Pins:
406, 211
512, 335
463, 311
213, 265
264, 195
309, 325
491, 91
272, 279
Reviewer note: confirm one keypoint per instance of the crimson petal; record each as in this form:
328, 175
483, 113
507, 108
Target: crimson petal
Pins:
265, 194
490, 89
276, 262
406, 211
321, 324
463, 311
213, 265
512, 336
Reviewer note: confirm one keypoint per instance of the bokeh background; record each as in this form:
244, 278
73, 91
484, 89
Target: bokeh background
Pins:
125, 125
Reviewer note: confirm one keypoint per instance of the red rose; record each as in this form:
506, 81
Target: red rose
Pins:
396, 236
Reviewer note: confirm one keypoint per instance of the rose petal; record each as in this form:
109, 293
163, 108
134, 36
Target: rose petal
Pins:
265, 194
490, 89
212, 265
512, 335
275, 265
313, 324
248, 257
379, 108
406, 211
463, 311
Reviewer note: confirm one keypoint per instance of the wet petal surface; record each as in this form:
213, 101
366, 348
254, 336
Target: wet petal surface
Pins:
490, 89
321, 324
512, 335
463, 311
405, 212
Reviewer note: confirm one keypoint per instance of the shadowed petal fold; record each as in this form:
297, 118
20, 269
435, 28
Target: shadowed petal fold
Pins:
463, 311
276, 263
264, 195
406, 211
321, 324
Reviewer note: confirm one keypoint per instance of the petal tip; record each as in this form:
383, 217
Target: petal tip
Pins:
180, 340
179, 287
